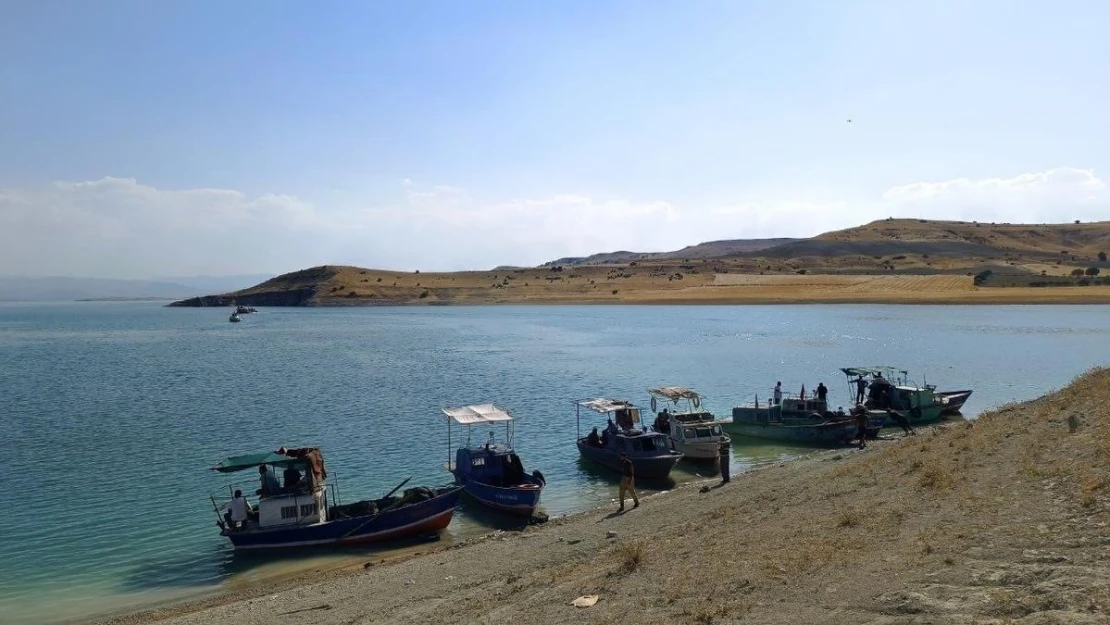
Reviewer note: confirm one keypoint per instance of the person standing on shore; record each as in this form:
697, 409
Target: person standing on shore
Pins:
628, 482
861, 425
723, 459
901, 420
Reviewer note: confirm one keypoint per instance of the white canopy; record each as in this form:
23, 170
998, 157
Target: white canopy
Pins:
673, 393
479, 413
603, 405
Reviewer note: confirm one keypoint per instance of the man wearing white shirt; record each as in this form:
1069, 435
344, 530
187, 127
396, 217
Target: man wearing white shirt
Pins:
238, 511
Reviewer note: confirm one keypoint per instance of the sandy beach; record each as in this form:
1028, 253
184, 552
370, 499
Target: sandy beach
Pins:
998, 520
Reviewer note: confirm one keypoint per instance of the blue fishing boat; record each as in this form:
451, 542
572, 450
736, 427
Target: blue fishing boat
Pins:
305, 510
492, 473
650, 452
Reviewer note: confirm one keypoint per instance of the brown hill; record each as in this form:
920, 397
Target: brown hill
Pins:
1026, 257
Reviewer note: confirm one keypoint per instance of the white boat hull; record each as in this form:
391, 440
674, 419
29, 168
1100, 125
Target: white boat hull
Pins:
699, 450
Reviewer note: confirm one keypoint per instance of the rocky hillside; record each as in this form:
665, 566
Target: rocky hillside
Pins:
995, 254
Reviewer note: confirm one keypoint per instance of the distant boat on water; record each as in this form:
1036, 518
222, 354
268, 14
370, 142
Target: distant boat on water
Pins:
234, 318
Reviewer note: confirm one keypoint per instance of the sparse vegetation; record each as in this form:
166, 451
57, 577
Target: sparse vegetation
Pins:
630, 555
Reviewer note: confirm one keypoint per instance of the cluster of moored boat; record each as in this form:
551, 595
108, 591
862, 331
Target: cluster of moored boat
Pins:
307, 511
236, 315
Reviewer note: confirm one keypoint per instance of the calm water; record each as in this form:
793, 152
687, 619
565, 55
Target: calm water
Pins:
110, 414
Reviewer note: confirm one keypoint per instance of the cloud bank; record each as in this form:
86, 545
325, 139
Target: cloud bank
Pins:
118, 227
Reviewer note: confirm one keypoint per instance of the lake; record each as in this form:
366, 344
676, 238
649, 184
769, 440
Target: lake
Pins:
112, 413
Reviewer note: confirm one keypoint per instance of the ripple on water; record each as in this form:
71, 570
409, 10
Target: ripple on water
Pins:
113, 413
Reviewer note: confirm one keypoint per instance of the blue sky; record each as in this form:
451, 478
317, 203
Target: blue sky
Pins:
156, 138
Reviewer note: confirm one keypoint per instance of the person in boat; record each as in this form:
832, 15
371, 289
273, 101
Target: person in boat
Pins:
624, 419
628, 482
861, 389
822, 391
723, 449
605, 438
901, 420
291, 479
778, 393
269, 482
593, 440
663, 422
238, 511
840, 412
860, 414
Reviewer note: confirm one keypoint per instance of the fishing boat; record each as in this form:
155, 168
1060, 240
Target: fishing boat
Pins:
234, 318
889, 387
245, 310
650, 452
306, 510
800, 420
694, 432
953, 401
492, 473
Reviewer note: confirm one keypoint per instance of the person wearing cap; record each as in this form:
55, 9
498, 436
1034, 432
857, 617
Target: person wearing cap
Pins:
628, 482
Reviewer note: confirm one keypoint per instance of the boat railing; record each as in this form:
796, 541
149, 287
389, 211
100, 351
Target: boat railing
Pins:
221, 498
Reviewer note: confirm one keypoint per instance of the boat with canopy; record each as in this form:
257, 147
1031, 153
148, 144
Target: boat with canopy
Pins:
891, 388
305, 509
492, 473
694, 432
650, 452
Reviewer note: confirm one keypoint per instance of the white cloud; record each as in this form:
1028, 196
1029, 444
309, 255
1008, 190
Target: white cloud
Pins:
1056, 195
117, 227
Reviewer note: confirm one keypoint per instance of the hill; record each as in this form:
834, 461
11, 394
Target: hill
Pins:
902, 261
712, 249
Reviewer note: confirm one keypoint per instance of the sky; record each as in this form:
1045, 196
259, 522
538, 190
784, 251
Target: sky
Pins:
141, 139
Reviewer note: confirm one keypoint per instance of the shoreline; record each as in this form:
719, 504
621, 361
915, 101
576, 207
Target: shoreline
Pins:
984, 520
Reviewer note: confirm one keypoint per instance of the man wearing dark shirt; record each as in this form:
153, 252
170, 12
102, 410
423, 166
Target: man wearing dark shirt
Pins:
860, 414
292, 479
723, 449
628, 482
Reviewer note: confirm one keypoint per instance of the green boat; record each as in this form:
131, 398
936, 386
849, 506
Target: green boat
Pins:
885, 388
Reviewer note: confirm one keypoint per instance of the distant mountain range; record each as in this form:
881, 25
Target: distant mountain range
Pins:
711, 249
60, 288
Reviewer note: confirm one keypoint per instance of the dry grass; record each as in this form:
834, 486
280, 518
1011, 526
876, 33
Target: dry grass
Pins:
630, 555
